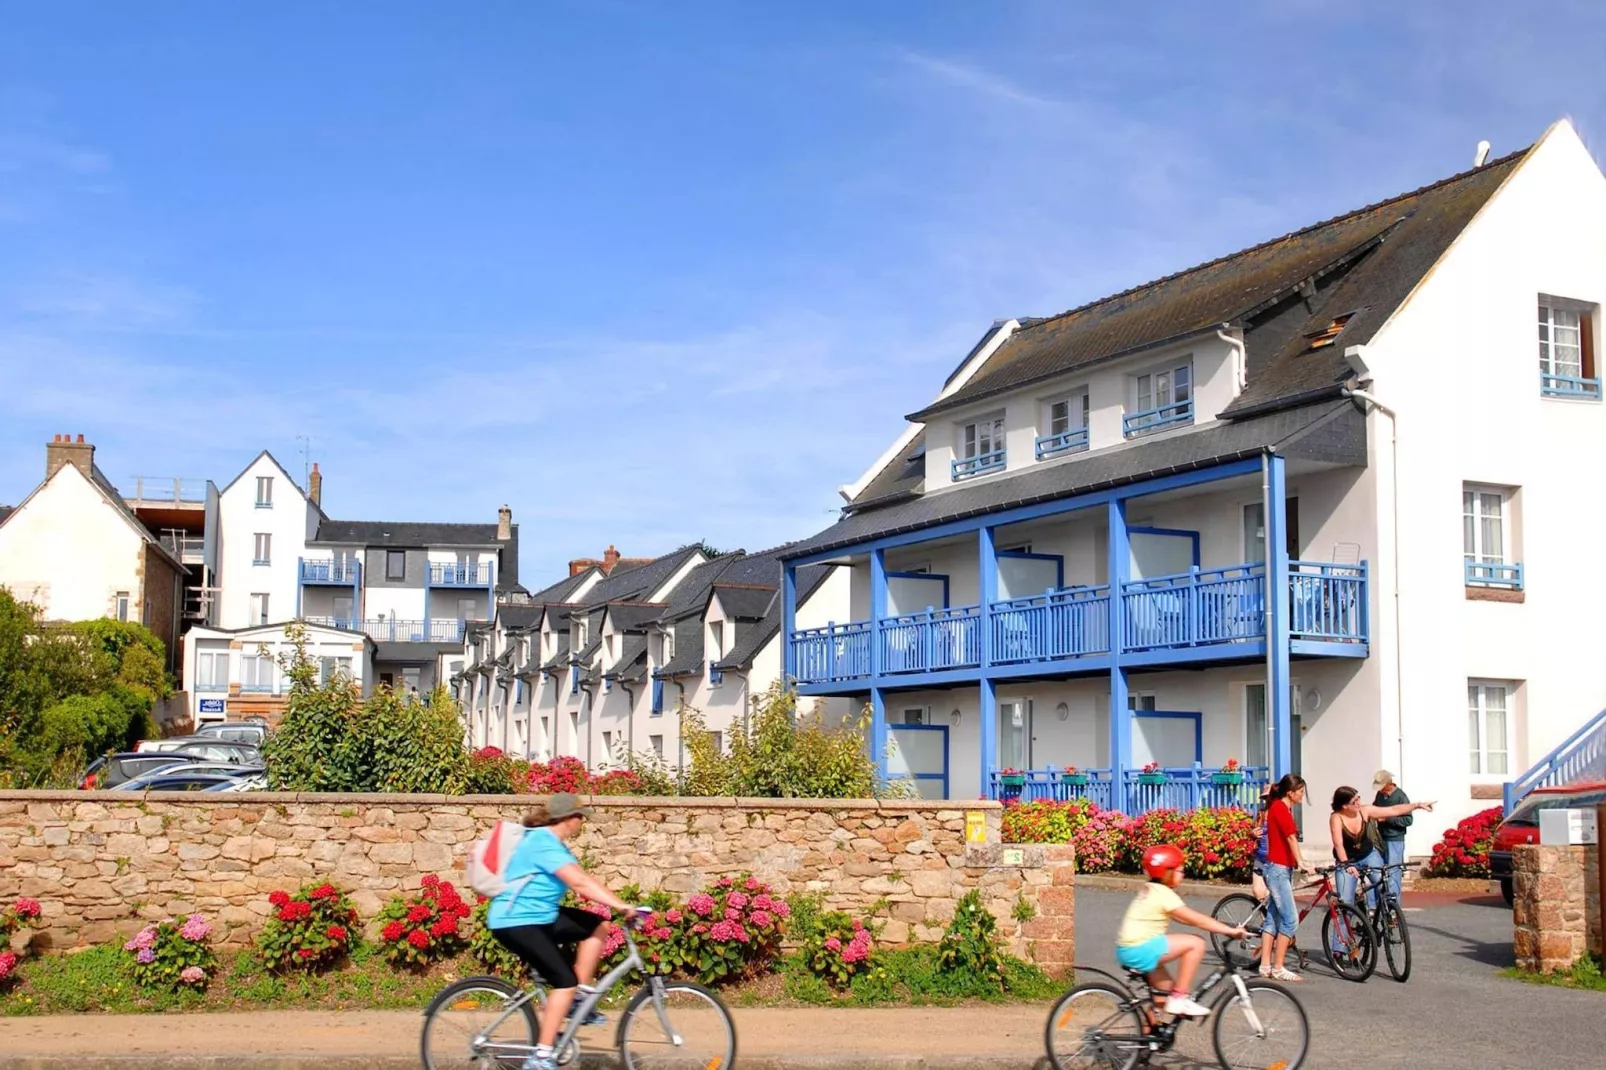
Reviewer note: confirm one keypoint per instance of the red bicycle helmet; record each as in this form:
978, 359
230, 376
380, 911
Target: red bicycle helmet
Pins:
1161, 859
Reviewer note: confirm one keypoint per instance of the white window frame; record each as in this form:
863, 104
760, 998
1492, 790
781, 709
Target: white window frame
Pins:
657, 745
1475, 540
253, 669
212, 670
1158, 388
259, 607
979, 437
1551, 311
393, 555
716, 636
921, 715
262, 548
264, 492
123, 605
1481, 757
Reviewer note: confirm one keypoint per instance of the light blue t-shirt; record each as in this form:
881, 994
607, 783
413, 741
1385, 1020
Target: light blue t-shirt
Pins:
539, 856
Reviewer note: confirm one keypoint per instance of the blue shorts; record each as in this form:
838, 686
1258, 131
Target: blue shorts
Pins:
1144, 957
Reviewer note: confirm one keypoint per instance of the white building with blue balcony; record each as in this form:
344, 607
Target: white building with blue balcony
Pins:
1307, 507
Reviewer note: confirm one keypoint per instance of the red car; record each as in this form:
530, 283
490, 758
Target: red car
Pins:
1523, 824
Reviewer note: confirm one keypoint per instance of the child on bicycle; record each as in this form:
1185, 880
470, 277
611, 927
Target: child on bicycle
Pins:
527, 920
1144, 945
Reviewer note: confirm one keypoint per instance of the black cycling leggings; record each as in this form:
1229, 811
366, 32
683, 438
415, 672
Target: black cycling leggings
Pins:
539, 945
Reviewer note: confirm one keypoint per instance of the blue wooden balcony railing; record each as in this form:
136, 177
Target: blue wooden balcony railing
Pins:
1157, 419
1178, 788
1494, 574
975, 466
1072, 441
343, 573
459, 574
1580, 757
1203, 607
835, 652
1055, 785
1056, 624
933, 640
1568, 386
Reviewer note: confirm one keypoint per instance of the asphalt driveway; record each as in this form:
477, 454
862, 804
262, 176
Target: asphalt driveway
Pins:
1456, 1010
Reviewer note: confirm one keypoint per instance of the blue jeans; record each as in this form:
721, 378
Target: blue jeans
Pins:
1346, 883
1396, 855
1282, 916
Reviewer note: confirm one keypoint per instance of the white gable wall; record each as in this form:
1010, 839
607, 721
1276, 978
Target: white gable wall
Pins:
291, 521
70, 551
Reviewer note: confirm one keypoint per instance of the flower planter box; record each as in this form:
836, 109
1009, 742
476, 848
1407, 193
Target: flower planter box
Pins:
1078, 779
1151, 779
1227, 778
1016, 782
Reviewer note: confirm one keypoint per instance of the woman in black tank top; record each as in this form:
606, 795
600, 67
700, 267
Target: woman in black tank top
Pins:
1356, 843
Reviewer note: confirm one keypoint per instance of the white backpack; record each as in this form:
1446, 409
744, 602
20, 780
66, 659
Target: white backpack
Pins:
488, 859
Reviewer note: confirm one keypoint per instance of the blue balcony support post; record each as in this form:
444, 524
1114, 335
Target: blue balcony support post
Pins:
878, 608
1365, 602
987, 576
788, 625
987, 726
1277, 610
1120, 565
878, 731
301, 578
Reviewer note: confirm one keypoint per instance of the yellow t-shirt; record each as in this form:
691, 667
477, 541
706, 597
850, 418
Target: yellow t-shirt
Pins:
1148, 916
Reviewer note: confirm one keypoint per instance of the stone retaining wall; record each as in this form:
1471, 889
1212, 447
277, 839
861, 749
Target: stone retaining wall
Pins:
102, 862
1555, 910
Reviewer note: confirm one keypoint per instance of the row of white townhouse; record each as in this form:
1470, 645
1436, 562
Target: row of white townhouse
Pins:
1315, 506
608, 660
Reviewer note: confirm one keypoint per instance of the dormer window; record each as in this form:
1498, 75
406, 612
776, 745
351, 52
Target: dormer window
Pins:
1160, 399
669, 647
607, 645
1567, 349
979, 447
1064, 425
716, 631
1329, 334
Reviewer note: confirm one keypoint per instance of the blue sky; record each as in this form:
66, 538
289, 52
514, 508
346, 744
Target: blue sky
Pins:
651, 273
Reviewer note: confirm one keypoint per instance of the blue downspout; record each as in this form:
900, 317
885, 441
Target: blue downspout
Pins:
1277, 624
878, 610
1120, 566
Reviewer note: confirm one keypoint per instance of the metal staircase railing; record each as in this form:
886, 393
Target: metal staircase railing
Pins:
1581, 756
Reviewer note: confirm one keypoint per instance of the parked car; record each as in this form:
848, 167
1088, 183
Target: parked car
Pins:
115, 769
177, 781
1523, 824
254, 782
209, 748
254, 733
187, 768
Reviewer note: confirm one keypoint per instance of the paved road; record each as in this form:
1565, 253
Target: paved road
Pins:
1456, 1010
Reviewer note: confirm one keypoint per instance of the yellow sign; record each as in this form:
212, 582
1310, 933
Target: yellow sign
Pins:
975, 826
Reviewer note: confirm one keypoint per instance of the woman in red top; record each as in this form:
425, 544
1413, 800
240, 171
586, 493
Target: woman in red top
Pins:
1282, 915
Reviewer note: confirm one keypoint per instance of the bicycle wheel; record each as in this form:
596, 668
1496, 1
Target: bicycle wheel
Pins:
1239, 909
1348, 943
468, 1025
690, 1030
1270, 1029
1395, 936
1095, 1025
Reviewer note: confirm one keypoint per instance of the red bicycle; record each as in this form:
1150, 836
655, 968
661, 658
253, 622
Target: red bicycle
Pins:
1347, 937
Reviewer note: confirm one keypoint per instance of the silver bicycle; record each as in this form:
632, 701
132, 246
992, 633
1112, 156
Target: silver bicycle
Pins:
489, 1024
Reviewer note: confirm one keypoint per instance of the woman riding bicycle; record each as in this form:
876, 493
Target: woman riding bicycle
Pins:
1357, 844
527, 920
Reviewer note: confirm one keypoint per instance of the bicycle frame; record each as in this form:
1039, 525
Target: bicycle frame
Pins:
1145, 1002
582, 1009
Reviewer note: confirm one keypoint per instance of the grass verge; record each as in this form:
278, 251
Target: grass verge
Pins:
1587, 972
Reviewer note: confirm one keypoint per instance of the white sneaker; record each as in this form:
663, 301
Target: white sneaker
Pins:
1185, 1006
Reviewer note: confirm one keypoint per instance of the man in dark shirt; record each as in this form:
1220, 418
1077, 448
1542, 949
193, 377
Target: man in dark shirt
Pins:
1391, 828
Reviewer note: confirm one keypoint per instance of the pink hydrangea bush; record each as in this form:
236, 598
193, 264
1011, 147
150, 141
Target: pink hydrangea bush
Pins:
20, 915
171, 954
838, 949
732, 930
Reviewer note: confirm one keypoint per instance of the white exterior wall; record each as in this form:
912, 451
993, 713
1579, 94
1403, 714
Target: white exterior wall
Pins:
402, 603
1459, 362
70, 551
271, 642
291, 521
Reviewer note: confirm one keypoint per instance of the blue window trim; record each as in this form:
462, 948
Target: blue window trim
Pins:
1493, 574
1073, 440
715, 676
924, 576
1568, 386
1180, 715
657, 697
1178, 532
946, 754
1058, 559
1133, 425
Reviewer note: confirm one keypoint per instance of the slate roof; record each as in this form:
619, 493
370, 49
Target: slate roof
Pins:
634, 616
5, 511
561, 591
1330, 432
423, 535
747, 602
513, 615
901, 476
639, 582
750, 639
561, 657
631, 652
1365, 262
410, 652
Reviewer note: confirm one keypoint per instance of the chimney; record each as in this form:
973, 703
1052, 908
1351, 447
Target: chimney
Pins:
609, 559
504, 524
64, 451
315, 485
580, 564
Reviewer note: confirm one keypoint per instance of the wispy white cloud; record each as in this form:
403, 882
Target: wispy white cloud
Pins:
978, 80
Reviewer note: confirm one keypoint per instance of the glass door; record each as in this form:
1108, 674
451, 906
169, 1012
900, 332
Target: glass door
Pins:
1014, 734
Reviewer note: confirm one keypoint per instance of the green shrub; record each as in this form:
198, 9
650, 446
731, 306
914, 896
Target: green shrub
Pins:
488, 951
970, 945
311, 930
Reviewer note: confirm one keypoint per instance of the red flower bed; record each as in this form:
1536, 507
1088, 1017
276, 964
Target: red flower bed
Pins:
425, 928
1464, 851
1217, 843
309, 930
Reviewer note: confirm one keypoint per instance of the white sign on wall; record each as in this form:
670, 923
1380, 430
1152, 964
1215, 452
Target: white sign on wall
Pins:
1567, 827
